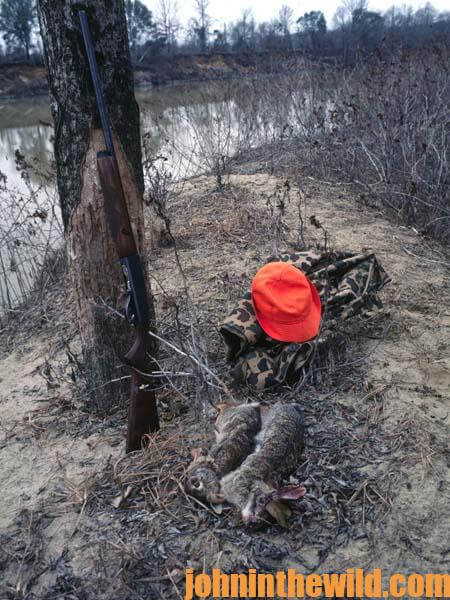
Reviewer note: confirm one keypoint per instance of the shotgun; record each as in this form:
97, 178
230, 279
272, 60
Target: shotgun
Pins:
142, 411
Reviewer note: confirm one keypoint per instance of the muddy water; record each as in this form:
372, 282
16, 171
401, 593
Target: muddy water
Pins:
166, 116
173, 125
185, 129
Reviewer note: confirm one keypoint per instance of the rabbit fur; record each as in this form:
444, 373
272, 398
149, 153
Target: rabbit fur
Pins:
254, 487
235, 429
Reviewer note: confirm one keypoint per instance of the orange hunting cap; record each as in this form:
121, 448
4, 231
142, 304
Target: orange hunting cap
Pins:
286, 303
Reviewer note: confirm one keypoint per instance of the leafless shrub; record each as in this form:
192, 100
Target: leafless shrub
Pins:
276, 202
30, 234
184, 356
384, 127
23, 553
301, 214
214, 130
270, 106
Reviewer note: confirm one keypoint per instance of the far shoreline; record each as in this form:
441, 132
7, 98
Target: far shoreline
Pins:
26, 80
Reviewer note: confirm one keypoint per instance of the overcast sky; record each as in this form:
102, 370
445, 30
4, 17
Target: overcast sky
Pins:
264, 10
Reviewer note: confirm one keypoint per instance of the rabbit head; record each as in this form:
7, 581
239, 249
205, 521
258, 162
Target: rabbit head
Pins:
246, 417
202, 480
263, 499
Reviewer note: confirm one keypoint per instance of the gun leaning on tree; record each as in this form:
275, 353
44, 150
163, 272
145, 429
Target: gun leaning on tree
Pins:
142, 412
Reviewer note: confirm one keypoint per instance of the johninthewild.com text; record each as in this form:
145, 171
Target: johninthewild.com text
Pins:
354, 583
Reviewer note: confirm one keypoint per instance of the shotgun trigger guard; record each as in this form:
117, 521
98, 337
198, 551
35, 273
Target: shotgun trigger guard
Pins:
130, 308
130, 312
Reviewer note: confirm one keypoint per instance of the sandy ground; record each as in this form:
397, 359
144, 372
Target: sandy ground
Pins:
377, 423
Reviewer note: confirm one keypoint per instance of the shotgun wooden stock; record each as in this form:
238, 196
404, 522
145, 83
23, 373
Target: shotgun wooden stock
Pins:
142, 412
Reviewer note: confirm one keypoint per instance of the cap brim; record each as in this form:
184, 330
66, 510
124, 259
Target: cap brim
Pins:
302, 331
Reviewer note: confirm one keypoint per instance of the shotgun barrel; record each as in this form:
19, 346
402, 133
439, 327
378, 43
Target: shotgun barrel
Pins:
96, 81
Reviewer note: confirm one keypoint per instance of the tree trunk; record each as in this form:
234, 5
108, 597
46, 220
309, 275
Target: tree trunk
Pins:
96, 275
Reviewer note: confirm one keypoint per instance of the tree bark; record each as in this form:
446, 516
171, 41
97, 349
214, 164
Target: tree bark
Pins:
96, 275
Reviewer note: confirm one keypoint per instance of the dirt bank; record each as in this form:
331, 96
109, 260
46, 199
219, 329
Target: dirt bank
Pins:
377, 421
206, 67
22, 80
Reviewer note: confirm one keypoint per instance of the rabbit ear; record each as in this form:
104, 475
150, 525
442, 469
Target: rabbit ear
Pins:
290, 492
279, 511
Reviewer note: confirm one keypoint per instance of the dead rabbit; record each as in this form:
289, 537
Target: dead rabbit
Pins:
255, 487
236, 428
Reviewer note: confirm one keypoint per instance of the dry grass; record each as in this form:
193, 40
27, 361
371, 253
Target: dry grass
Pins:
130, 529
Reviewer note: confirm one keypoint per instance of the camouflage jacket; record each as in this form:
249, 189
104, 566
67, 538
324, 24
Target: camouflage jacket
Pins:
347, 285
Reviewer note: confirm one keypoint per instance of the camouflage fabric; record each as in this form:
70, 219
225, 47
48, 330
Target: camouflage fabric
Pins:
347, 284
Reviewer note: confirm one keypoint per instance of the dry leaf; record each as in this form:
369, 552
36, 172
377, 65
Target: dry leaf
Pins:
279, 511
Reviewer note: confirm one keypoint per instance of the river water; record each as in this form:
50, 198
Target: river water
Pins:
26, 125
184, 126
186, 130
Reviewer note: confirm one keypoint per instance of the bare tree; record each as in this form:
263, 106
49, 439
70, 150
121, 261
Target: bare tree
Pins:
201, 23
367, 28
243, 32
285, 16
167, 21
140, 24
425, 16
17, 22
313, 26
344, 12
342, 21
